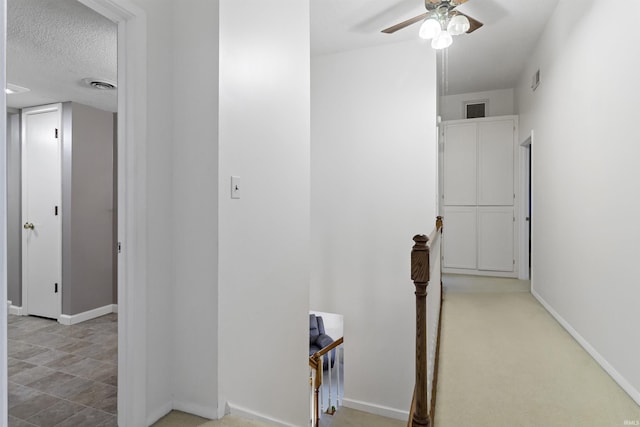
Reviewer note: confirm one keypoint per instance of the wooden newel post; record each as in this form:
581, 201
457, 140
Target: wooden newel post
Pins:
317, 359
420, 277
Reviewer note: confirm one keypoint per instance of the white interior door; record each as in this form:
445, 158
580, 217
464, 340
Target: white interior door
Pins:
41, 215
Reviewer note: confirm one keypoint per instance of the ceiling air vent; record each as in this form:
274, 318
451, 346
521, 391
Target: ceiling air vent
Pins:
100, 84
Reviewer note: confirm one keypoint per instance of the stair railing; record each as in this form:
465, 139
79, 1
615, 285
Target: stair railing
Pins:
426, 275
316, 379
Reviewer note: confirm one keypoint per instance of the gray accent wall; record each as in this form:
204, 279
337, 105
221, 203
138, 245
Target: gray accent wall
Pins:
14, 211
87, 209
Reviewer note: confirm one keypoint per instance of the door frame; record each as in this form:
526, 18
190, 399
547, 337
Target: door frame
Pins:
523, 224
25, 263
132, 233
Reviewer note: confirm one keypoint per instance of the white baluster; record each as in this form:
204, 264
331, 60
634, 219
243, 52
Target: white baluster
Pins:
338, 351
321, 399
311, 382
329, 370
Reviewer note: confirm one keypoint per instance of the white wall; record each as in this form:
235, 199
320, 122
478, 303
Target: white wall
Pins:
501, 103
195, 207
373, 187
585, 180
264, 235
159, 198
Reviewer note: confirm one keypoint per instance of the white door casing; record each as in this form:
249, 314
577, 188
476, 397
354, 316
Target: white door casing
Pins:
41, 214
132, 209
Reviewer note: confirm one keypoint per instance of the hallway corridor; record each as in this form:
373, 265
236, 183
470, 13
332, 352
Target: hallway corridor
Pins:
505, 361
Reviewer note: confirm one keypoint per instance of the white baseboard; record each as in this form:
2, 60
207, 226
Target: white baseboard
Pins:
15, 310
617, 377
68, 320
155, 415
223, 409
466, 272
249, 414
372, 408
201, 411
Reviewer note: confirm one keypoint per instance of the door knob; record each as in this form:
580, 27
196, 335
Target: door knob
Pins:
28, 226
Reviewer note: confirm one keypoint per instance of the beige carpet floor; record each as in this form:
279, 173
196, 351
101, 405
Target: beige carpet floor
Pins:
345, 417
504, 361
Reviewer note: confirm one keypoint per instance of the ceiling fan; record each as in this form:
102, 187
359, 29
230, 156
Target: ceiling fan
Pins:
440, 22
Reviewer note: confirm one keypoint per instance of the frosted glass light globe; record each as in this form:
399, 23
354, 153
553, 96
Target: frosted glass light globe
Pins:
430, 28
459, 24
442, 40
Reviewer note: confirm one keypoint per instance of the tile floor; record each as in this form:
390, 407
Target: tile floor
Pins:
60, 375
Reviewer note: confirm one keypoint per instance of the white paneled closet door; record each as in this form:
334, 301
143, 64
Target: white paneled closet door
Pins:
495, 163
479, 196
459, 246
495, 238
460, 165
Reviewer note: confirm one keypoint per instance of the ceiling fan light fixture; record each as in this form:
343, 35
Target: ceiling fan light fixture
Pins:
459, 24
430, 28
442, 40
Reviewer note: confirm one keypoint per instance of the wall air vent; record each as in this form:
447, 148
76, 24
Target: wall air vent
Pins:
535, 80
475, 109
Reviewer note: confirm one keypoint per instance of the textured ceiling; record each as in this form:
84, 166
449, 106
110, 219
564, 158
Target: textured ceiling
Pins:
52, 45
490, 58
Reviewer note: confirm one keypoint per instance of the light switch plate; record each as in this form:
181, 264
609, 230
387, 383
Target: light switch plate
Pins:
235, 187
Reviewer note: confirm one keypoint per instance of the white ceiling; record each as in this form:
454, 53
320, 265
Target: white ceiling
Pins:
492, 57
53, 44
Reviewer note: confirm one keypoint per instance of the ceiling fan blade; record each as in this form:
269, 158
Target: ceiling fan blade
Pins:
403, 24
474, 23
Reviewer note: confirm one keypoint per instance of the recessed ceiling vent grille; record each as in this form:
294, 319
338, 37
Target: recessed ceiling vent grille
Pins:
100, 84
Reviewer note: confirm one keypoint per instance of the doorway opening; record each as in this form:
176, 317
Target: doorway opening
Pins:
62, 328
131, 130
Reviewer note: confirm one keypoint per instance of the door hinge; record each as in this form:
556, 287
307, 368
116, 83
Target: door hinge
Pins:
56, 132
514, 219
119, 247
55, 211
55, 288
514, 262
